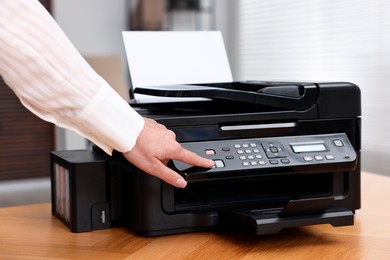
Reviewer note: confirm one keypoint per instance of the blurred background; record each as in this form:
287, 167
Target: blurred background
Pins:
309, 40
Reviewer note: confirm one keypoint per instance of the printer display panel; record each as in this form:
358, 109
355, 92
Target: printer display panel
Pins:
315, 153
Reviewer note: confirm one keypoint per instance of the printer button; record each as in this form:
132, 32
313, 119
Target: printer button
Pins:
226, 149
240, 151
308, 158
338, 143
237, 146
329, 157
219, 163
209, 152
271, 155
285, 161
242, 157
273, 161
245, 163
256, 150
253, 145
229, 157
274, 149
245, 145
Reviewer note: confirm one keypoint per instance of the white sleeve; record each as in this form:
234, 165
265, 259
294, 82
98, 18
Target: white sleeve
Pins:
53, 80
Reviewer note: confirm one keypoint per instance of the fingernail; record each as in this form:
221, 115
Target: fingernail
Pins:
180, 183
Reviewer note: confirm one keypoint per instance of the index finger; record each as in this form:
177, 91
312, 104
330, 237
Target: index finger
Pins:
192, 158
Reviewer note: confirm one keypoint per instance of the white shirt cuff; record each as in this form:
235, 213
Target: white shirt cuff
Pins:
109, 121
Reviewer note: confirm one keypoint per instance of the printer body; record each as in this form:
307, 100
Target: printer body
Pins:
287, 154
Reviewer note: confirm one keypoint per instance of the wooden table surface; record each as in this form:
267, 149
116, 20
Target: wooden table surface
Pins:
31, 232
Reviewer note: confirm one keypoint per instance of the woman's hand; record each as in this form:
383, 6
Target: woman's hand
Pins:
155, 146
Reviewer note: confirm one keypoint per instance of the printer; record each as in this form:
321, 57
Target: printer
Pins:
286, 154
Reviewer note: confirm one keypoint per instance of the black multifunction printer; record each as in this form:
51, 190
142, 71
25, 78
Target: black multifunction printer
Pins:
286, 154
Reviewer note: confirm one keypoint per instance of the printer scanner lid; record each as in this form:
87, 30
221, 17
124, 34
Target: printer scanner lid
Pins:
170, 66
192, 67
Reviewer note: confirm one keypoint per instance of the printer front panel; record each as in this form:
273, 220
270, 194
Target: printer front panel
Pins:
309, 169
158, 208
293, 160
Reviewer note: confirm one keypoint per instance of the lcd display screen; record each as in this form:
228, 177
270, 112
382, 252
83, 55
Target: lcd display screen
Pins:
307, 148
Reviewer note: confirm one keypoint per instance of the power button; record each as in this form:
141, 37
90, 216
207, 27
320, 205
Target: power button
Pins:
338, 142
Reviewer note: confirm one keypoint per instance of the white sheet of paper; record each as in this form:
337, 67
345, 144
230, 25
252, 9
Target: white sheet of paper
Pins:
157, 58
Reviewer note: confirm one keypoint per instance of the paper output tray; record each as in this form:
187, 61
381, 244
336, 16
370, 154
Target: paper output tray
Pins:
296, 96
296, 213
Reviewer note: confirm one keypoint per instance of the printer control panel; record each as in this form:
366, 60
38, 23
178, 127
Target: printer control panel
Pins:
310, 153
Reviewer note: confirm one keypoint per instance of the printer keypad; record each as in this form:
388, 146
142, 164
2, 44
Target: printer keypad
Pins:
249, 154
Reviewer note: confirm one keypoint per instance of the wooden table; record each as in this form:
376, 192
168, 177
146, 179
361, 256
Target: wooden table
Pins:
31, 232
